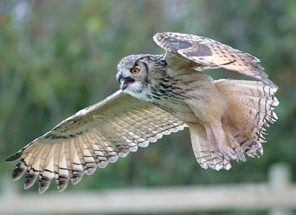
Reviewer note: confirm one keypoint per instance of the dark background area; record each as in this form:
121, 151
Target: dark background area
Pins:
57, 57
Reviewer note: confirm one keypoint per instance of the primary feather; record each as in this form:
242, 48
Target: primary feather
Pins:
92, 137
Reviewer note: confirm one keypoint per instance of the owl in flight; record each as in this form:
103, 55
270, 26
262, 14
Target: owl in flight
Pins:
160, 94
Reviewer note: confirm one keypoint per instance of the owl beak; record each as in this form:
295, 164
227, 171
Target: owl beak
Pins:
125, 80
119, 76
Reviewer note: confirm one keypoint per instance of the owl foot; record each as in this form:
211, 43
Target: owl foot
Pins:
228, 152
232, 154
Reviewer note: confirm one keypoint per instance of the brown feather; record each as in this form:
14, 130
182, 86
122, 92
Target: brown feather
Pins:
211, 54
90, 138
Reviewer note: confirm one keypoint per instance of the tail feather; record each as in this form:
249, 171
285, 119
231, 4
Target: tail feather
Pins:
251, 109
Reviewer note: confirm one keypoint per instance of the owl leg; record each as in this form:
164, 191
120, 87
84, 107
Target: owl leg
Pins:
239, 152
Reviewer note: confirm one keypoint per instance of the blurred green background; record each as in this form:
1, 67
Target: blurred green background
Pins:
57, 57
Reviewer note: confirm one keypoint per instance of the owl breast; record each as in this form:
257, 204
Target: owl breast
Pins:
169, 99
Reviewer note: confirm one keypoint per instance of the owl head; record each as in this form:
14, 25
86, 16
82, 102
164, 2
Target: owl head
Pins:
132, 72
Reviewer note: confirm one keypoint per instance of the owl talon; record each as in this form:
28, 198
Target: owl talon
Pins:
228, 152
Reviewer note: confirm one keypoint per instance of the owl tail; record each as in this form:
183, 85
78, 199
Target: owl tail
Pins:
243, 126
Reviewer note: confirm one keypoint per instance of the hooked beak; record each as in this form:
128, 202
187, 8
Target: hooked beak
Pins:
126, 81
119, 77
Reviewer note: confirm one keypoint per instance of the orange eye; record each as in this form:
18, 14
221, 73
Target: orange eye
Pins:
135, 70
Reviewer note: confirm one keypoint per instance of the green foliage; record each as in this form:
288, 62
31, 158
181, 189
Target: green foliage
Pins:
57, 57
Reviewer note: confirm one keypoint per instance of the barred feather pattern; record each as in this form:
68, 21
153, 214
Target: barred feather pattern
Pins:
251, 110
92, 138
206, 153
207, 53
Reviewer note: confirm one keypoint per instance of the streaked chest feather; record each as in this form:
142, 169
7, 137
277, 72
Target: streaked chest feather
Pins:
166, 97
179, 94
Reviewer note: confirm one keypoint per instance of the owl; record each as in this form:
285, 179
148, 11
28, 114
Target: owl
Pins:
158, 95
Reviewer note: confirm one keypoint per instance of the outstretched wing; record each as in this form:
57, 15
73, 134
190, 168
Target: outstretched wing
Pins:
208, 53
92, 137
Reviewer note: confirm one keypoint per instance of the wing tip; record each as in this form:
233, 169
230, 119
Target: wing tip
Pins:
75, 180
14, 157
62, 182
44, 183
30, 178
18, 171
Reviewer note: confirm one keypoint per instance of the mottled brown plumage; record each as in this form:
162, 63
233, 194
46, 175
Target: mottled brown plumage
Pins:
160, 94
207, 53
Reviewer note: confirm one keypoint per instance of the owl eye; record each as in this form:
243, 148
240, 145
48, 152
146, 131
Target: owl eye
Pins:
135, 70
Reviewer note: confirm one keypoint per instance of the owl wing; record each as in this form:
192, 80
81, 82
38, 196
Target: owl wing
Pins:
92, 137
206, 53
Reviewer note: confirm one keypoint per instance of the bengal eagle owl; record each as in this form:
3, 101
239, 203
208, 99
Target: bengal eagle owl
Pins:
160, 94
